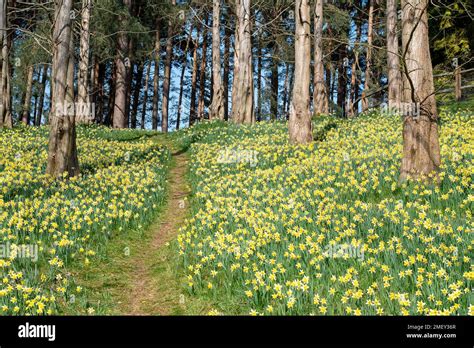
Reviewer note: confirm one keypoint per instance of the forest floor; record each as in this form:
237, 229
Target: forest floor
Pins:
139, 274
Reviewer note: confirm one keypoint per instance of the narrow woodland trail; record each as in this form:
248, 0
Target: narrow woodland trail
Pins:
150, 294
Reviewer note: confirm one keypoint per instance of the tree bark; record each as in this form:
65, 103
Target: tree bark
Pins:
202, 75
368, 59
5, 79
83, 78
275, 83
156, 76
122, 64
167, 76
320, 97
299, 126
226, 70
243, 90
217, 107
136, 95
145, 96
181, 79
393, 60
421, 152
25, 117
62, 152
39, 111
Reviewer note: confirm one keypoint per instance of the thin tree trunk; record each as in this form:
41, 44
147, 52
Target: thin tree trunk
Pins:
145, 96
167, 76
368, 59
136, 95
122, 64
421, 152
216, 111
275, 84
181, 79
193, 106
44, 79
5, 83
300, 128
83, 78
156, 76
393, 60
202, 75
320, 97
243, 90
226, 70
286, 88
111, 102
25, 117
259, 79
62, 152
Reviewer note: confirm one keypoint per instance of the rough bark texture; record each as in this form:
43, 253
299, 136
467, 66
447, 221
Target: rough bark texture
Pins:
83, 79
156, 77
320, 97
216, 110
193, 105
243, 90
122, 62
25, 116
368, 58
393, 60
299, 126
62, 153
226, 70
421, 152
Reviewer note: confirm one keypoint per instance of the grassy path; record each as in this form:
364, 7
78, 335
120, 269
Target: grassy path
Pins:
145, 279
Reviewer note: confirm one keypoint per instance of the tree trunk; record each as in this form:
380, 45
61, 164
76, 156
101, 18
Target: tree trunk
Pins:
136, 95
226, 70
145, 96
193, 106
368, 59
393, 60
275, 84
5, 83
156, 77
44, 78
300, 128
259, 79
25, 117
320, 98
217, 107
167, 76
421, 152
122, 64
202, 75
62, 153
181, 79
83, 79
243, 90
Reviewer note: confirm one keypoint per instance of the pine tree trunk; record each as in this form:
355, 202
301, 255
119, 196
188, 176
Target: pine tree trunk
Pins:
202, 75
393, 60
243, 90
216, 111
62, 152
25, 117
193, 105
299, 126
275, 83
136, 95
5, 84
368, 58
226, 70
320, 98
421, 152
83, 79
122, 65
156, 77
167, 76
145, 96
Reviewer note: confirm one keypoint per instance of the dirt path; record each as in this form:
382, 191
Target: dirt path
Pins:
149, 294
